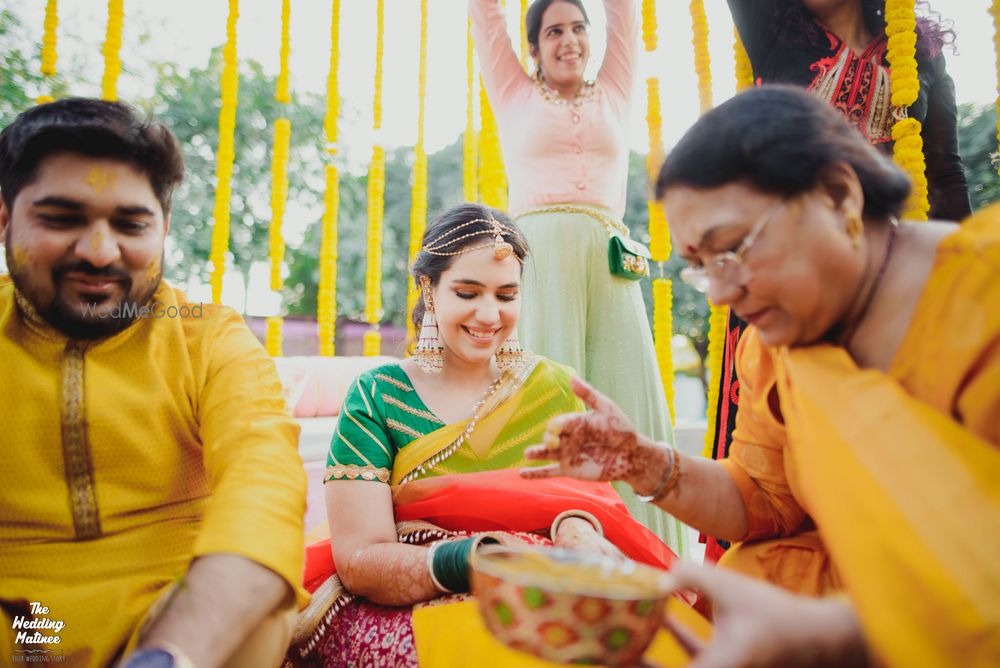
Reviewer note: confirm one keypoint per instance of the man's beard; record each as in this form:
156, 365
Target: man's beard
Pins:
70, 318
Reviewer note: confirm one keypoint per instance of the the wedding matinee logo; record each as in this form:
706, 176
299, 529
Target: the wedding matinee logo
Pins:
32, 631
132, 310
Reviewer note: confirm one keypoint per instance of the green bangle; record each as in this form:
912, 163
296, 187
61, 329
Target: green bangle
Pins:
450, 563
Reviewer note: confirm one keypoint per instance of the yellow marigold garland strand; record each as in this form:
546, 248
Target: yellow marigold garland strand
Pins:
492, 179
908, 150
718, 323
719, 316
376, 204
418, 201
225, 154
470, 139
663, 329
525, 48
995, 12
702, 58
744, 70
111, 49
279, 182
326, 311
649, 24
49, 41
659, 235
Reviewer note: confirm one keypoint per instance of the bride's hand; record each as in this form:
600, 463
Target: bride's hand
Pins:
579, 535
601, 444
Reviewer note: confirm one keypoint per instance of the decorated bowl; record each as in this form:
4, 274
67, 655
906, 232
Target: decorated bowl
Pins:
568, 607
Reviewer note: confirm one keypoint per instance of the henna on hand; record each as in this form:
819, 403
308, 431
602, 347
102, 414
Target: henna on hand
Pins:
390, 574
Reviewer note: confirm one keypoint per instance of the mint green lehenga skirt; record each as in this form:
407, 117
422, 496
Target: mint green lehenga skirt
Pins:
574, 311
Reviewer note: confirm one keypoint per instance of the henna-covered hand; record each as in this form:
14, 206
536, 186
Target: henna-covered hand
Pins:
601, 444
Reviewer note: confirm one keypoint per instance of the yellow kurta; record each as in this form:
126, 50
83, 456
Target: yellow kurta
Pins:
125, 458
899, 472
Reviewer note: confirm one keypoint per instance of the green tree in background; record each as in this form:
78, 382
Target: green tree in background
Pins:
188, 102
20, 79
977, 134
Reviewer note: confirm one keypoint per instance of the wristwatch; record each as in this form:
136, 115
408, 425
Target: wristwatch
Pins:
158, 657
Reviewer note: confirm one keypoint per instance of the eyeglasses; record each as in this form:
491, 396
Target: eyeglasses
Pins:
729, 268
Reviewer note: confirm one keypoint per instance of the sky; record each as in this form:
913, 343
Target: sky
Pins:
184, 32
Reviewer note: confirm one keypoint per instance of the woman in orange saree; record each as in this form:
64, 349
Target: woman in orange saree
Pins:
866, 455
422, 468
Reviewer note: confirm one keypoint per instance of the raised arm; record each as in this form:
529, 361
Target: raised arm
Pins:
752, 19
501, 70
948, 189
618, 70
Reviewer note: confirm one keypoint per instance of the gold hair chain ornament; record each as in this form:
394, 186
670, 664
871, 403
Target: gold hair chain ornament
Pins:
501, 248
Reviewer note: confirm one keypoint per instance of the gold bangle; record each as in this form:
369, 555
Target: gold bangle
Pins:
670, 480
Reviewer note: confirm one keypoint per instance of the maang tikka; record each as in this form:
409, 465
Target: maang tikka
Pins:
429, 353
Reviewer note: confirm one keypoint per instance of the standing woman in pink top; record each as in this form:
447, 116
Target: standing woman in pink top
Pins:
565, 145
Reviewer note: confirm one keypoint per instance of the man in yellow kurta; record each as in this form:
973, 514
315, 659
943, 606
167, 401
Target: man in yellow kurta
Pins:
151, 494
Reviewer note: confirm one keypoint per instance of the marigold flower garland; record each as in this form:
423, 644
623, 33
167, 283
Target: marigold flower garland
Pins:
326, 308
719, 316
995, 12
702, 59
470, 138
718, 324
908, 149
49, 40
663, 331
225, 153
744, 70
492, 179
112, 47
649, 24
279, 182
525, 48
376, 203
418, 200
659, 235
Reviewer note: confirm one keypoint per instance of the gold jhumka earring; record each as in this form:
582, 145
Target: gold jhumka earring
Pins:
429, 353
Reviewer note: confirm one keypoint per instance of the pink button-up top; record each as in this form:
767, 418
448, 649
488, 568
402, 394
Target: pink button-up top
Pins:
555, 153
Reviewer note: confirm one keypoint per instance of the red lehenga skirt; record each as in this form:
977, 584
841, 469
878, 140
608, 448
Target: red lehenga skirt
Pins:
338, 629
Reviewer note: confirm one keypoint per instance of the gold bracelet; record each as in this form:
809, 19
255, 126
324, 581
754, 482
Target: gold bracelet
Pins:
670, 480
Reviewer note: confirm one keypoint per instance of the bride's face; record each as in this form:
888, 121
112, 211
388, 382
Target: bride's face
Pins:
477, 303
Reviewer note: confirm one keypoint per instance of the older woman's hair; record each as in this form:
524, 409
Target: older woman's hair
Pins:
778, 139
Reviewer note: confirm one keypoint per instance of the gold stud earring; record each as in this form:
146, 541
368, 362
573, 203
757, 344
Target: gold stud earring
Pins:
855, 229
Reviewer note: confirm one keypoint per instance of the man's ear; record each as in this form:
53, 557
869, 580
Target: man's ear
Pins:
166, 225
